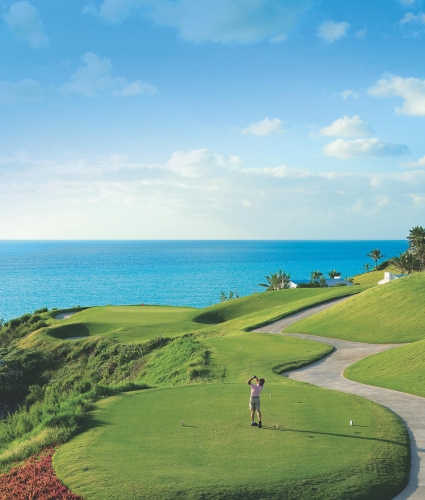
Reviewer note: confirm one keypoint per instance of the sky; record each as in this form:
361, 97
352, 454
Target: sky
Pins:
212, 119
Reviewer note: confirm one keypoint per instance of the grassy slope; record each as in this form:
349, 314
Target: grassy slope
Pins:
384, 314
371, 278
401, 369
158, 458
270, 300
138, 324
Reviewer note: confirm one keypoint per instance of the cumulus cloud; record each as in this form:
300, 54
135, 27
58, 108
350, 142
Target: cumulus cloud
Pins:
24, 20
25, 90
330, 31
95, 78
265, 127
363, 148
245, 21
412, 24
412, 90
415, 164
347, 127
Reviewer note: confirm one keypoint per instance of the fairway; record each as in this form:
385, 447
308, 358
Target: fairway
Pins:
390, 313
135, 446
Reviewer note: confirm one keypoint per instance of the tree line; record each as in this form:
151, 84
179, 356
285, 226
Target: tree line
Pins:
408, 262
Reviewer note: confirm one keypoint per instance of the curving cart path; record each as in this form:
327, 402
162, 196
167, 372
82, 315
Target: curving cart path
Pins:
328, 373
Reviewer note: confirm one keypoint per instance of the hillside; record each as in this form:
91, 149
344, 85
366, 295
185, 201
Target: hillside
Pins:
401, 369
390, 313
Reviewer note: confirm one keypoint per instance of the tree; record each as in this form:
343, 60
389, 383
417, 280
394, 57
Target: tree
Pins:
406, 262
367, 267
416, 240
315, 275
322, 282
277, 281
333, 274
375, 255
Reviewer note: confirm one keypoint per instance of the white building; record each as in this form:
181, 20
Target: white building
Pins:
388, 276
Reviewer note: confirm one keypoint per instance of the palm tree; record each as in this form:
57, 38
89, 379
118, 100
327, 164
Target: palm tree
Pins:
315, 275
406, 262
333, 274
367, 267
416, 240
277, 281
375, 255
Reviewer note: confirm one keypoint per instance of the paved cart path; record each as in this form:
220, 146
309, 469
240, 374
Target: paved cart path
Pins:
328, 373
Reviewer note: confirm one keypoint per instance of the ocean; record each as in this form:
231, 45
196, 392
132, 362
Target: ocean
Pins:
35, 274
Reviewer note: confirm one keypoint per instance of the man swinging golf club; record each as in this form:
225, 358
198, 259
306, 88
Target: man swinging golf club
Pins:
254, 400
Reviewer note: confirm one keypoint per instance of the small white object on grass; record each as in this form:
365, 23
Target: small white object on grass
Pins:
270, 395
351, 422
182, 422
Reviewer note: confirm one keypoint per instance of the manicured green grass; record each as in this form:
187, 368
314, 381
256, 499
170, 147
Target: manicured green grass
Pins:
390, 313
372, 277
401, 369
228, 358
142, 323
135, 447
127, 323
265, 355
291, 299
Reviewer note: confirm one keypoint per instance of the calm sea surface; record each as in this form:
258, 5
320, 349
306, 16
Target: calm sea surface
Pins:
61, 274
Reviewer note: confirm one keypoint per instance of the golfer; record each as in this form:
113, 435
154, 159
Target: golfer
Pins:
254, 400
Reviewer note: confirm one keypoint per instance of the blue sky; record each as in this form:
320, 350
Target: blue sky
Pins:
212, 119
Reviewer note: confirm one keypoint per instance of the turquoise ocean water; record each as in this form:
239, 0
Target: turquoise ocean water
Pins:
34, 274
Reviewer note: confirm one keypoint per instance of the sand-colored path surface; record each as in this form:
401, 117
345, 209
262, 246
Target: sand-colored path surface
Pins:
328, 373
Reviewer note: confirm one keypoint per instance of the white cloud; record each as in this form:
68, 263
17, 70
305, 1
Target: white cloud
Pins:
26, 90
347, 127
415, 164
96, 78
408, 2
199, 163
349, 94
265, 127
413, 24
244, 21
363, 148
198, 194
330, 31
412, 90
25, 22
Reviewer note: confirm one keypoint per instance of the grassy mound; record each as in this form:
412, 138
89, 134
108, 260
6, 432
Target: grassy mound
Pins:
390, 313
135, 446
127, 323
401, 369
